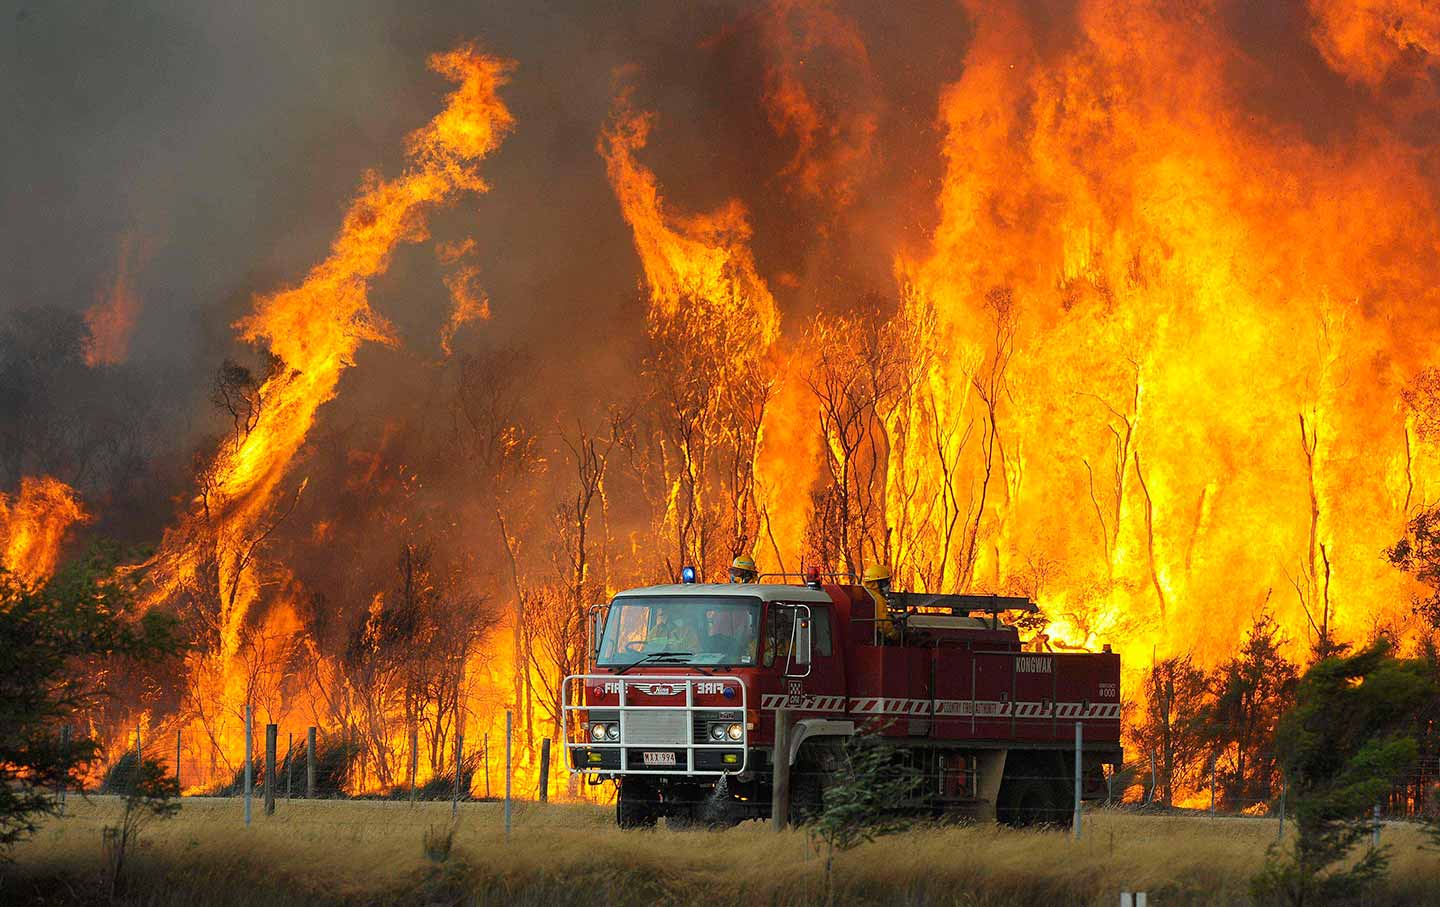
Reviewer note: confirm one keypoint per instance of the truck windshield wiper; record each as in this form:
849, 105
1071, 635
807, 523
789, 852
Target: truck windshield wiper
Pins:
656, 656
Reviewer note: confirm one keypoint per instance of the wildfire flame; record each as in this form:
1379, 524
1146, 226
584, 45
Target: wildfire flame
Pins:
833, 147
1150, 365
700, 259
1150, 334
315, 329
33, 524
312, 332
111, 320
1199, 334
467, 304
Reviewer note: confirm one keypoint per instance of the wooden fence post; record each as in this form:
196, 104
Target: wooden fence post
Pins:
545, 770
310, 763
459, 758
508, 725
272, 735
249, 758
414, 759
780, 769
64, 748
1079, 746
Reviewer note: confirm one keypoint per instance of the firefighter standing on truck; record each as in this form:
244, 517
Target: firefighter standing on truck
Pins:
877, 583
743, 570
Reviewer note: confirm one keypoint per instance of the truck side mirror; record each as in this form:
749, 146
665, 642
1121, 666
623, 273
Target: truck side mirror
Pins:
596, 627
802, 641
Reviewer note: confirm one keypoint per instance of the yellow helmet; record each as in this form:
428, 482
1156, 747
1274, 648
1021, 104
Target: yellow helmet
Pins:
743, 569
876, 573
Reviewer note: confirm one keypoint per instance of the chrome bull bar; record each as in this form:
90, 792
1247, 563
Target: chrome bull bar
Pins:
656, 727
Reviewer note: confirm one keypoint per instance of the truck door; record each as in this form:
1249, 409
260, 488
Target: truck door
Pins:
822, 692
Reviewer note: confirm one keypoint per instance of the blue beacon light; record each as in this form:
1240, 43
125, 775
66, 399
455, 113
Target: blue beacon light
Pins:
687, 574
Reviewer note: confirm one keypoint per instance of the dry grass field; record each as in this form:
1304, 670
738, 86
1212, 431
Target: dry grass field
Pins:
362, 852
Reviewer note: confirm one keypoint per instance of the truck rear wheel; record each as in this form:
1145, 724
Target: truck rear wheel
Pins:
1025, 802
1034, 792
636, 806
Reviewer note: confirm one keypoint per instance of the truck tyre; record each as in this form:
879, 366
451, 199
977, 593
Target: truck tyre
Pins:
1026, 802
807, 794
635, 807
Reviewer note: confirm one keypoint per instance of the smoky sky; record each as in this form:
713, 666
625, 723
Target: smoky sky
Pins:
229, 137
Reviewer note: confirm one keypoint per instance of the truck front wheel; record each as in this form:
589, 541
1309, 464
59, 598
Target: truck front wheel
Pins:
636, 805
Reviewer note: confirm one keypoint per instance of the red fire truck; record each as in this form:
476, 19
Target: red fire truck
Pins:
681, 708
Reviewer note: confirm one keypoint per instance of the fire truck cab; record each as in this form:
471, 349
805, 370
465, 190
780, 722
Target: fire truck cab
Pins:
680, 710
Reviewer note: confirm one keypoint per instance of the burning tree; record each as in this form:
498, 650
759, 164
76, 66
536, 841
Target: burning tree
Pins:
1252, 691
555, 632
407, 663
711, 325
711, 391
864, 371
1171, 731
499, 448
214, 560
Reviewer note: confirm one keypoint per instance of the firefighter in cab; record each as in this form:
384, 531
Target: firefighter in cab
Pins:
743, 570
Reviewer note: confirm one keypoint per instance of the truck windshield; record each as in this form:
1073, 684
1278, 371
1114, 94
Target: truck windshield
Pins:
699, 629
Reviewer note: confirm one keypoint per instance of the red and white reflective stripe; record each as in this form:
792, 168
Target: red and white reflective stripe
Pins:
803, 703
873, 705
948, 708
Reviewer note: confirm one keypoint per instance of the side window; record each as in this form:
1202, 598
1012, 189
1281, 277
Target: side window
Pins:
820, 630
779, 630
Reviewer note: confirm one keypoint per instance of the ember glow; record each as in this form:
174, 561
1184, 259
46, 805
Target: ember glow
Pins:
1112, 310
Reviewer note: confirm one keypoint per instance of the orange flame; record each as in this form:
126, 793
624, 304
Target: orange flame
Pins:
819, 54
111, 320
701, 258
33, 526
467, 303
1190, 425
315, 329
1368, 40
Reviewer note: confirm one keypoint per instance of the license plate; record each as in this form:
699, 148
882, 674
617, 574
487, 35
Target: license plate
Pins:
659, 758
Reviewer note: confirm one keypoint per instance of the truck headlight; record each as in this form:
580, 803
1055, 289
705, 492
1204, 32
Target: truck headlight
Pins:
735, 731
612, 732
717, 732
597, 731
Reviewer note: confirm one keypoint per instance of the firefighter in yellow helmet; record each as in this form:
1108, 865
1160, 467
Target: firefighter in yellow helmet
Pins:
743, 570
877, 582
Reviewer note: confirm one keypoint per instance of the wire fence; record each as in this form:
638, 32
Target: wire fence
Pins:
305, 762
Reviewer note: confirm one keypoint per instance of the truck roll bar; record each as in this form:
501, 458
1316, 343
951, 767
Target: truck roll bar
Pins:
992, 605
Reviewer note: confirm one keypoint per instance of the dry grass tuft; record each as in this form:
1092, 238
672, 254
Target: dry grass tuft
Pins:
362, 852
